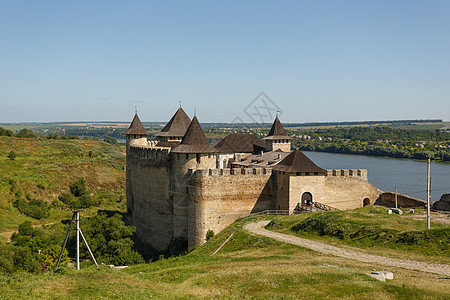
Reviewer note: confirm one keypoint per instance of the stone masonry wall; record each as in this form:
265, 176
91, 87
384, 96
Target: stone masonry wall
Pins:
219, 197
443, 203
388, 199
341, 189
151, 210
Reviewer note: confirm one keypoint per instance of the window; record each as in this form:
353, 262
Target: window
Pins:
187, 155
197, 156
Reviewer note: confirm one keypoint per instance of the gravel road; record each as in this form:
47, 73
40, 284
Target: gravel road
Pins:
257, 228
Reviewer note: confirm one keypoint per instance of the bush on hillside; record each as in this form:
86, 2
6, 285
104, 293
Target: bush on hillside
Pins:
35, 208
78, 188
110, 140
5, 132
79, 196
109, 239
25, 133
12, 155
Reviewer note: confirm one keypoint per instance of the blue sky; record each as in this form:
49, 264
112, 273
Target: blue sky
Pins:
316, 60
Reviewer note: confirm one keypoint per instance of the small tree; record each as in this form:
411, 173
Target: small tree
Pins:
209, 234
110, 140
50, 256
78, 188
12, 155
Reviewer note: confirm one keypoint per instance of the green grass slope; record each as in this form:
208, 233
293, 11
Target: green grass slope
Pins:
44, 168
247, 267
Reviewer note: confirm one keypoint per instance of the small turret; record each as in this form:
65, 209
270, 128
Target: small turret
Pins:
135, 131
176, 128
194, 141
278, 138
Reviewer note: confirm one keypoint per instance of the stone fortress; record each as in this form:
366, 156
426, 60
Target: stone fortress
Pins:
180, 186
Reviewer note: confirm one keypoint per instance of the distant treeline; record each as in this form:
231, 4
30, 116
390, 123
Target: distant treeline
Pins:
393, 122
316, 124
376, 141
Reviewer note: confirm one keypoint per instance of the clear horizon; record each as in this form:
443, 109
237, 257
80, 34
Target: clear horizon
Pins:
322, 61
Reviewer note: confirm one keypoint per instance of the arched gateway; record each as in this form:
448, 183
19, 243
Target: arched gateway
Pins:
307, 199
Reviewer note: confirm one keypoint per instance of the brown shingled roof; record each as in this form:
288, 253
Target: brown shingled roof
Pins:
277, 131
298, 162
194, 141
177, 125
136, 127
240, 143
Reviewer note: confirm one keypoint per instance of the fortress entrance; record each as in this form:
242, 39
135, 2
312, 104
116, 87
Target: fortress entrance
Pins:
366, 201
307, 199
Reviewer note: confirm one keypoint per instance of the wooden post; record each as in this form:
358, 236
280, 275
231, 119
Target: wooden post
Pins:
65, 242
396, 203
428, 193
77, 220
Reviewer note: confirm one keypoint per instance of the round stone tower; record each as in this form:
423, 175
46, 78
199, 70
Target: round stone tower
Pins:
135, 131
194, 152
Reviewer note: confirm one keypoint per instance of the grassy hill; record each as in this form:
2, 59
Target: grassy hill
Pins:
44, 169
247, 267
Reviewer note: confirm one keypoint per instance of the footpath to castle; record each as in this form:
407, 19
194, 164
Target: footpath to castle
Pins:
257, 228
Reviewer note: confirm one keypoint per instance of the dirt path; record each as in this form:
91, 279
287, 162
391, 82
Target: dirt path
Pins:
257, 228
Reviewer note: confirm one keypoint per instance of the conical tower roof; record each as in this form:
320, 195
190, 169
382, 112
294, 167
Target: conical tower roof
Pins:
297, 162
240, 143
277, 131
177, 125
194, 141
136, 127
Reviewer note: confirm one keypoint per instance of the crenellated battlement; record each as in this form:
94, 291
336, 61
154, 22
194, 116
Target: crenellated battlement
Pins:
149, 156
229, 172
347, 172
144, 143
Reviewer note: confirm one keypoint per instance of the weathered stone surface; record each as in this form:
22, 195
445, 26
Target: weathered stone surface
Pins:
443, 203
403, 201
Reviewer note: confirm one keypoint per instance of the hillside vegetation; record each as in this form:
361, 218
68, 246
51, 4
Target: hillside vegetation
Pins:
247, 267
43, 169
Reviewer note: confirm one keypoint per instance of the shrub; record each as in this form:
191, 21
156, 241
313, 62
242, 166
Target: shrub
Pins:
109, 239
12, 155
5, 132
6, 259
25, 133
209, 234
26, 260
110, 140
78, 188
49, 257
34, 208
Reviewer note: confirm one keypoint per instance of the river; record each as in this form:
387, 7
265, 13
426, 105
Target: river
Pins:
409, 176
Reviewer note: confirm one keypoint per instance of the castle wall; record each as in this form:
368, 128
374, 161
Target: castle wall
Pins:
151, 209
341, 189
181, 163
443, 203
282, 189
219, 197
388, 199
